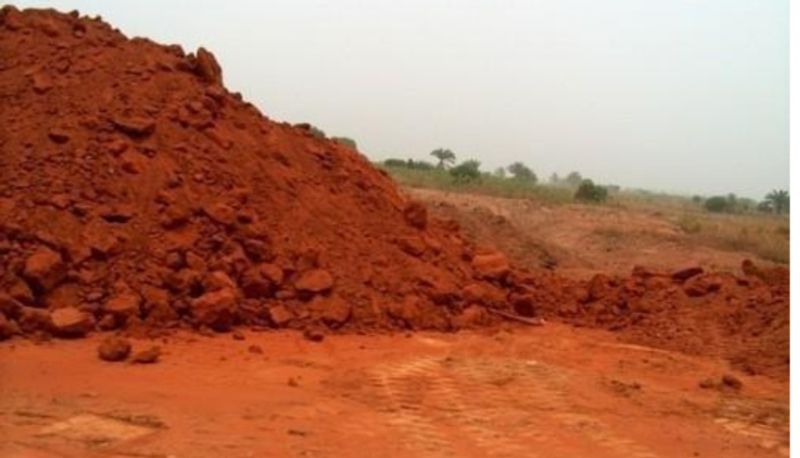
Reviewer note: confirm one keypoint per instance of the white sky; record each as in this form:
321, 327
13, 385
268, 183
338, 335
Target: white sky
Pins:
684, 96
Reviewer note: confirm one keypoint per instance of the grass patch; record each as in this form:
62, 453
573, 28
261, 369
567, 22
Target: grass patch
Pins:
764, 235
485, 185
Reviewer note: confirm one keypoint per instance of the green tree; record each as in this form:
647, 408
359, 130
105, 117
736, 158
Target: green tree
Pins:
554, 179
778, 200
590, 192
500, 172
445, 157
466, 171
718, 204
522, 172
574, 179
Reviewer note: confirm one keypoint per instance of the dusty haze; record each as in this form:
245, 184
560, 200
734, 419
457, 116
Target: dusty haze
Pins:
678, 96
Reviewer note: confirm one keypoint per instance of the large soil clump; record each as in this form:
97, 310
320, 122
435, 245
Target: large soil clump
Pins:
137, 190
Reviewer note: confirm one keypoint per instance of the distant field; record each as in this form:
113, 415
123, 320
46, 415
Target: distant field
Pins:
764, 235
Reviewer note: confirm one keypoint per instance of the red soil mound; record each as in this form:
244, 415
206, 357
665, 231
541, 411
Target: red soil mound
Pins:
138, 189
138, 193
742, 318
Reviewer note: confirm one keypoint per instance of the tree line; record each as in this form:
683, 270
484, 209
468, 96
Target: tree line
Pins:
777, 201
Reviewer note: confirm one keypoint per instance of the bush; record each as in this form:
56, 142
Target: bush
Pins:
466, 171
522, 172
590, 192
718, 204
408, 164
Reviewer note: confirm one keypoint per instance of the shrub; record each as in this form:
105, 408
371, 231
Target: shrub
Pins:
574, 179
394, 163
408, 164
466, 171
522, 172
590, 192
718, 204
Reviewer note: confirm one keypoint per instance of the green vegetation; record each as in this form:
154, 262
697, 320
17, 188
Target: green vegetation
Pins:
777, 201
726, 222
764, 235
466, 171
519, 180
590, 192
445, 157
420, 174
522, 172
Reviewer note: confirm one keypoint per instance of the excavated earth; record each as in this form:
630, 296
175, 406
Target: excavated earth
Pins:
139, 195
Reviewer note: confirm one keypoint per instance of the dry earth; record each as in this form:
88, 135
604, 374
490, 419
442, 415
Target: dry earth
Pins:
581, 240
554, 391
551, 391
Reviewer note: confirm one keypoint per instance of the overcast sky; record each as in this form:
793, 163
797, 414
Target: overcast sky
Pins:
671, 95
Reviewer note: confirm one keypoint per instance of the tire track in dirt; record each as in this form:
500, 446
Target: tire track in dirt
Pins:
767, 423
498, 407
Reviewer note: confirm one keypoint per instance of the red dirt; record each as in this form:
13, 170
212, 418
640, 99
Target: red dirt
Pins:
144, 191
144, 195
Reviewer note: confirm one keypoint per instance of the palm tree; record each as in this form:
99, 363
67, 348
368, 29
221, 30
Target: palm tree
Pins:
445, 157
779, 200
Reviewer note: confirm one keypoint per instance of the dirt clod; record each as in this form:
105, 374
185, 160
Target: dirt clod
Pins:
149, 356
114, 349
71, 322
314, 335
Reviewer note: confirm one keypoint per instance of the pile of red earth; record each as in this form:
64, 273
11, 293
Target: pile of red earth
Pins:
139, 193
743, 318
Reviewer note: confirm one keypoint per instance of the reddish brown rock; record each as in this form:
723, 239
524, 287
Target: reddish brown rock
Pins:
9, 306
149, 356
114, 349
280, 316
333, 311
71, 322
471, 317
256, 285
314, 281
218, 280
207, 67
7, 328
44, 269
221, 213
124, 304
686, 273
492, 266
135, 126
416, 215
32, 320
701, 285
484, 294
413, 245
215, 309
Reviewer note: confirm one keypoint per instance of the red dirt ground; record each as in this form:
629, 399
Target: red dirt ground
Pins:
553, 391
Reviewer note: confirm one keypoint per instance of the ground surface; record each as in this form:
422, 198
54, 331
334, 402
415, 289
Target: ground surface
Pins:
552, 391
579, 240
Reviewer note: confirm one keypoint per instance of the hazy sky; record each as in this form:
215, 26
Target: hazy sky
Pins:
673, 95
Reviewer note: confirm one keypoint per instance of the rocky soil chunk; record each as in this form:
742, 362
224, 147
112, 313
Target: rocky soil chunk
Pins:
44, 269
314, 281
71, 322
114, 349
